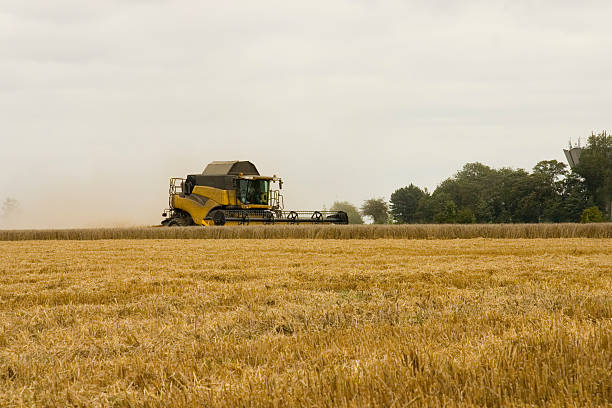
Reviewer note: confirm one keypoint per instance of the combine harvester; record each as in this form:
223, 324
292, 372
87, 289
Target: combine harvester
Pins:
233, 193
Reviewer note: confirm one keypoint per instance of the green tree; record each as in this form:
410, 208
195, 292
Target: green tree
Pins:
595, 167
548, 179
552, 170
405, 203
448, 214
425, 209
353, 213
491, 195
574, 198
513, 189
469, 186
465, 216
479, 193
591, 214
376, 208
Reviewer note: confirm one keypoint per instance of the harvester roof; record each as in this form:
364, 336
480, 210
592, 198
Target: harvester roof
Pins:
230, 168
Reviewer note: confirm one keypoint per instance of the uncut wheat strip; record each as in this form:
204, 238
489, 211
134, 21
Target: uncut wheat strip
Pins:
415, 231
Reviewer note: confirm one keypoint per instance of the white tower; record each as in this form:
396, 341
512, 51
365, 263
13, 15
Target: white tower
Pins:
573, 156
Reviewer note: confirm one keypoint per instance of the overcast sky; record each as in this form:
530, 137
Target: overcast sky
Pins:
102, 101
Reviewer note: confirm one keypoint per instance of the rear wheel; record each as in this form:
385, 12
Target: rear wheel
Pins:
180, 222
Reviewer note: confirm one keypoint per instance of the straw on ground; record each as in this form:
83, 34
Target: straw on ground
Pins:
306, 322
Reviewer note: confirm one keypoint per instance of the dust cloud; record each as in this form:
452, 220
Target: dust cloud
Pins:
116, 196
132, 193
99, 206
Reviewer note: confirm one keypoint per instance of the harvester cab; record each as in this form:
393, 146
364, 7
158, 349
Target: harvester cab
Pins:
234, 193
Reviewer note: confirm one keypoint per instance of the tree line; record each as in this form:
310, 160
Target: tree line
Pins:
551, 192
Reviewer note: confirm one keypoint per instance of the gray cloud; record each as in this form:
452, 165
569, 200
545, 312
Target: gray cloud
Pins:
103, 101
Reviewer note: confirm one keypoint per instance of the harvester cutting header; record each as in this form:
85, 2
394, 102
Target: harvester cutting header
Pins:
234, 193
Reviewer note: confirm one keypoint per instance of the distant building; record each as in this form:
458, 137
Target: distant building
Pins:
573, 156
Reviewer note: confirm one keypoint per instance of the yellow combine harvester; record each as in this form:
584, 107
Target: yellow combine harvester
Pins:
233, 193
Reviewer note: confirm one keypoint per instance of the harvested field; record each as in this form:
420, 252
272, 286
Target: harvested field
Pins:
411, 231
387, 322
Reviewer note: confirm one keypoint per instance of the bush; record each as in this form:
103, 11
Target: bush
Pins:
591, 214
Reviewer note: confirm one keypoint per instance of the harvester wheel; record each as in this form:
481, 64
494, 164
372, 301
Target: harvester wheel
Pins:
316, 216
180, 222
218, 217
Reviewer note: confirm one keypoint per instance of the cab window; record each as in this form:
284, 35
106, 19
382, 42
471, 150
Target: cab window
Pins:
253, 191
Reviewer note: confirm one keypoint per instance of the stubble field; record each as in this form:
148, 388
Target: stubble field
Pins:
300, 322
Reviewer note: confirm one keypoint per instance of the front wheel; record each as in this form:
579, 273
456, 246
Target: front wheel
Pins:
180, 222
218, 217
